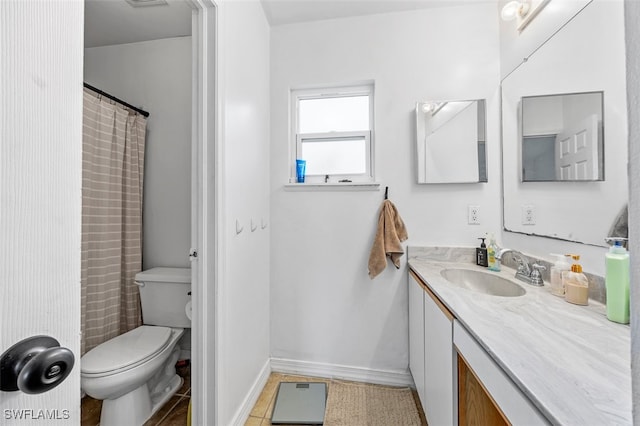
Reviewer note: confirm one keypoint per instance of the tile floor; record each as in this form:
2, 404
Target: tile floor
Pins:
262, 410
173, 413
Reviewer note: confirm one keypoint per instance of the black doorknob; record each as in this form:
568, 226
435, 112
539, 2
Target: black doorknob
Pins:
35, 365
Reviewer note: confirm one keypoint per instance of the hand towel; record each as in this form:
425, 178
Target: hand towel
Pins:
389, 235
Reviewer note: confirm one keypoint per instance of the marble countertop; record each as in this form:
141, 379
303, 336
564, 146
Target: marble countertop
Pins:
572, 363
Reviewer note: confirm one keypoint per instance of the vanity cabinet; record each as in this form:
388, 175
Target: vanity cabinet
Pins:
486, 395
456, 380
431, 355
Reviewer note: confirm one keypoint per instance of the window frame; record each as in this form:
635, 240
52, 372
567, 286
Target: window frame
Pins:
297, 138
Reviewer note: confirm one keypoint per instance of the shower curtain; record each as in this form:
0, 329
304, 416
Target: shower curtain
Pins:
112, 177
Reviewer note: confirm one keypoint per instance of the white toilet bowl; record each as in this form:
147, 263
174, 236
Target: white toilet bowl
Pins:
134, 374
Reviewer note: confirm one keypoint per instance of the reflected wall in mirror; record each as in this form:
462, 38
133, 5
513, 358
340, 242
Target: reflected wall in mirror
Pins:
587, 55
451, 140
562, 138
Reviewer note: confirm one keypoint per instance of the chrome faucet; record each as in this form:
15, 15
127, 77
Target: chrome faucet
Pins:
528, 273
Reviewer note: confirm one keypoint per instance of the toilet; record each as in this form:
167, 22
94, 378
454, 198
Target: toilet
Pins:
134, 374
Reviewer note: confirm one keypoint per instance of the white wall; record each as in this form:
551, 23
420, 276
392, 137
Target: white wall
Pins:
632, 33
516, 46
596, 30
324, 307
243, 289
156, 76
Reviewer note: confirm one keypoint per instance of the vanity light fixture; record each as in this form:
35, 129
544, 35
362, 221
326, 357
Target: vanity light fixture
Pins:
145, 3
515, 9
433, 107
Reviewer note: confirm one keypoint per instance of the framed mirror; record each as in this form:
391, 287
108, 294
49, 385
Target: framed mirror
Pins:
451, 141
580, 59
562, 137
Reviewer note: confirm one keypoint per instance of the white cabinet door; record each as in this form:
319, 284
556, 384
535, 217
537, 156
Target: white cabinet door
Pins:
416, 335
439, 362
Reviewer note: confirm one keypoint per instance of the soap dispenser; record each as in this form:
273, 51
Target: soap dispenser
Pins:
576, 284
481, 254
617, 281
561, 265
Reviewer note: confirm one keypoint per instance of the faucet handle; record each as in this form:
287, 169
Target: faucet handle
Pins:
536, 275
538, 267
523, 265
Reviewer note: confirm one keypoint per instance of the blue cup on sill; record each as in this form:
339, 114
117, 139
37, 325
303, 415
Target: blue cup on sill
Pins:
301, 166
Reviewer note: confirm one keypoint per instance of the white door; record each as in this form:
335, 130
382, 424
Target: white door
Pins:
577, 151
41, 50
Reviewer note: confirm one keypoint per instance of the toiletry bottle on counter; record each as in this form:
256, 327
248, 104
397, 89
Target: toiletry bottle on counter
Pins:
617, 281
557, 289
481, 254
492, 250
576, 284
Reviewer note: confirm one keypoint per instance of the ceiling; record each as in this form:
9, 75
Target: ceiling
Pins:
282, 12
110, 22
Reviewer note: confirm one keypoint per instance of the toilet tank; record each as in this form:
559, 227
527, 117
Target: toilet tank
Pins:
164, 294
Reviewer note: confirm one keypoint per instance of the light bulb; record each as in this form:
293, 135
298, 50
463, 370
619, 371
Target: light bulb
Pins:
510, 10
513, 9
427, 107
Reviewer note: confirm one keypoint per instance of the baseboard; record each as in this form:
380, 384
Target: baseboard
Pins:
242, 415
344, 372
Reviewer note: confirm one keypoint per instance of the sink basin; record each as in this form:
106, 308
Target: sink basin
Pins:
482, 282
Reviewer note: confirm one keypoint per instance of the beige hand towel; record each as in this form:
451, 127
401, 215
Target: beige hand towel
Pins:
390, 233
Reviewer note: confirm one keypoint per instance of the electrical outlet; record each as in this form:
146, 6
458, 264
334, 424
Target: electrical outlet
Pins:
528, 214
473, 215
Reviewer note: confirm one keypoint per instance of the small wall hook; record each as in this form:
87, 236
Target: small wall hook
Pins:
263, 224
239, 227
253, 226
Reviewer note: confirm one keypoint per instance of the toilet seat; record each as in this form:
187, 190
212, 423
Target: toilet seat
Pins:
125, 351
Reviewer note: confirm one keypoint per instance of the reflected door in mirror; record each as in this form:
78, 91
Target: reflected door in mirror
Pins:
562, 137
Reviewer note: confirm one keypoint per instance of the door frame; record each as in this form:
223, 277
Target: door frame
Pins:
205, 210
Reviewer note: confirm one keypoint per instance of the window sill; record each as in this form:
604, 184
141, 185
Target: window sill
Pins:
343, 186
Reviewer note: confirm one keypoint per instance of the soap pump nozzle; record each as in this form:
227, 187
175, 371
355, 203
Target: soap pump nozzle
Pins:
575, 267
617, 241
482, 244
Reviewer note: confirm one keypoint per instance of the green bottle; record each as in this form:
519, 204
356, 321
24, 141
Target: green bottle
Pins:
617, 281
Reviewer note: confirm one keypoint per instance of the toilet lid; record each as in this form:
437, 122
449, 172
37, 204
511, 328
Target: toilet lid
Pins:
127, 349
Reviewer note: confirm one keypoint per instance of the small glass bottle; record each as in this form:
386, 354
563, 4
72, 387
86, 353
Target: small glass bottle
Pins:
493, 262
557, 288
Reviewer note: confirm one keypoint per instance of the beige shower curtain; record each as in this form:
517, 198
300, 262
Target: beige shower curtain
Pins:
112, 178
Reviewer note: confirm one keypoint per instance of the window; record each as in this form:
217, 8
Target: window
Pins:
332, 131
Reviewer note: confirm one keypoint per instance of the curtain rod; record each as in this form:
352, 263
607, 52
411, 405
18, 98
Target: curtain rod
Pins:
113, 98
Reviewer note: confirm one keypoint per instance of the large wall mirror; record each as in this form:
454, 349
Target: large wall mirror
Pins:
562, 137
574, 80
450, 141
